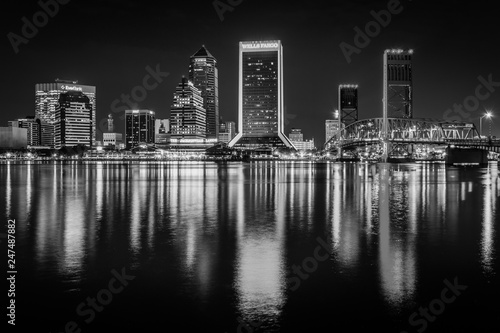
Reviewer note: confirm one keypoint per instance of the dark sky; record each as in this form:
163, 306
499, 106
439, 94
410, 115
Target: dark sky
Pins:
109, 43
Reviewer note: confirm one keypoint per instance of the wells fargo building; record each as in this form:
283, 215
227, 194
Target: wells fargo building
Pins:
260, 96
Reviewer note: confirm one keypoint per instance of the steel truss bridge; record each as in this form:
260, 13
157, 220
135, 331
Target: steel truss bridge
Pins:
402, 134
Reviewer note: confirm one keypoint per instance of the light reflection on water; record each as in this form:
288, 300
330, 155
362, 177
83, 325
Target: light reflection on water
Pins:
252, 222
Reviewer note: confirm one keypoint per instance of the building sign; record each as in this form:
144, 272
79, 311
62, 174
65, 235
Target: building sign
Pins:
260, 45
71, 88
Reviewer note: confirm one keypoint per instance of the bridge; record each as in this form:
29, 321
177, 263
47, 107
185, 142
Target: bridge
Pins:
398, 136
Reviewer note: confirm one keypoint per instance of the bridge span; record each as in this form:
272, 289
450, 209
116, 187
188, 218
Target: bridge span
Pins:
395, 137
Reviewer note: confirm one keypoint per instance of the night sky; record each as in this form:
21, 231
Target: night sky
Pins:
109, 44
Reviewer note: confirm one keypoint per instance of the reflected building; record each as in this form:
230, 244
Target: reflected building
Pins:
260, 96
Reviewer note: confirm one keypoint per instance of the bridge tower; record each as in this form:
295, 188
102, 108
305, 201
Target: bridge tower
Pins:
398, 90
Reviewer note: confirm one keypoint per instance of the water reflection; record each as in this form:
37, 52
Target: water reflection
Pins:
242, 225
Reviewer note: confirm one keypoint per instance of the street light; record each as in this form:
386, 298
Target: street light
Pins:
487, 115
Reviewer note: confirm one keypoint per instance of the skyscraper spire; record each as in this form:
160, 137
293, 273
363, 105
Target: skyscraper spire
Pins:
203, 73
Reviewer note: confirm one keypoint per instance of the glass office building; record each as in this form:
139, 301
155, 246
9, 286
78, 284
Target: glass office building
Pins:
260, 102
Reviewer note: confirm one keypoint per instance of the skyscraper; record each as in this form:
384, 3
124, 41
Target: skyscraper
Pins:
348, 103
204, 75
47, 98
398, 84
260, 96
139, 128
187, 115
73, 120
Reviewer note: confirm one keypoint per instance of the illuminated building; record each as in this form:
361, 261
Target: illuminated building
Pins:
162, 131
398, 86
139, 128
47, 98
73, 120
227, 131
332, 126
296, 135
297, 139
187, 115
112, 139
204, 75
33, 127
348, 103
13, 137
260, 96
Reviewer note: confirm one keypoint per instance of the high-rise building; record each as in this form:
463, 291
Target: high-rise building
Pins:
203, 73
296, 135
227, 131
73, 120
260, 96
32, 126
398, 84
47, 98
187, 114
348, 103
332, 128
139, 128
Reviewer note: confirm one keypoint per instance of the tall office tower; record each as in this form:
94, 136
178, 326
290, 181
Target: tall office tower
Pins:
111, 125
187, 114
47, 98
73, 120
139, 128
348, 103
260, 96
296, 135
204, 75
398, 86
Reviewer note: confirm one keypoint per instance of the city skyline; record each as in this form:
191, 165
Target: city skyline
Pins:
443, 80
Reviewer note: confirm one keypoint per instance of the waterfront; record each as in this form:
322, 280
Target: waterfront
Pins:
216, 247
